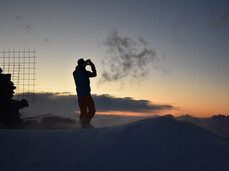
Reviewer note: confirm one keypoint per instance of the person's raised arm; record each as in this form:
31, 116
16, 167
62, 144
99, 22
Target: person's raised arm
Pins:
93, 73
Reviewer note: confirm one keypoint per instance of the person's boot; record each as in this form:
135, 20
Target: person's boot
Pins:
85, 123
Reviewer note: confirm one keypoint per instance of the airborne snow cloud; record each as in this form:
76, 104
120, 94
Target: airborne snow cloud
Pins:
126, 58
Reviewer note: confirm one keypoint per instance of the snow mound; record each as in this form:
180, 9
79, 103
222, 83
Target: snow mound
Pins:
161, 143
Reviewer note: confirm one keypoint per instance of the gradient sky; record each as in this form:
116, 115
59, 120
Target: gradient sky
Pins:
191, 39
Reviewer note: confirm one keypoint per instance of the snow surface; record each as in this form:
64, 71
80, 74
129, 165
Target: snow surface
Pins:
161, 143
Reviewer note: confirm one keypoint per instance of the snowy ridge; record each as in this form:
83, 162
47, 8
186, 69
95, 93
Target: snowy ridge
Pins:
161, 143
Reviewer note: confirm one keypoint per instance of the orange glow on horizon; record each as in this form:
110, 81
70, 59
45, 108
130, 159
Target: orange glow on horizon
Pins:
139, 114
136, 114
124, 113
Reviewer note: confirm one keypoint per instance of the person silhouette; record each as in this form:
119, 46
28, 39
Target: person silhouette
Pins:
85, 100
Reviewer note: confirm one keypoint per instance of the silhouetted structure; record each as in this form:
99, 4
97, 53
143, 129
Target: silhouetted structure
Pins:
82, 81
9, 108
6, 87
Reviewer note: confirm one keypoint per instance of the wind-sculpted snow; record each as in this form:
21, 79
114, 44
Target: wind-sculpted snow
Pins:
161, 143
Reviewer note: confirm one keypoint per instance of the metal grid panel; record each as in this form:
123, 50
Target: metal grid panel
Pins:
21, 64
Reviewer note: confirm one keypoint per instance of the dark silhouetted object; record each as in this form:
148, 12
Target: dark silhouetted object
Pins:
82, 81
9, 108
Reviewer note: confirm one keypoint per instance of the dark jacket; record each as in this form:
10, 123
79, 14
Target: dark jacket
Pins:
82, 81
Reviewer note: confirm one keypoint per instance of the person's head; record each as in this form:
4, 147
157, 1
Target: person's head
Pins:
81, 62
0, 70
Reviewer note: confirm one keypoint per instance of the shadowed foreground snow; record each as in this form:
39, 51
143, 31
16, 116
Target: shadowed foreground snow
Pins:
161, 143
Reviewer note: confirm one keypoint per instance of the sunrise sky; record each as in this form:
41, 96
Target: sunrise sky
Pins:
190, 39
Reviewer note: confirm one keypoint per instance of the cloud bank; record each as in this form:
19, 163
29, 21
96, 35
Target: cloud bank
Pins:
66, 104
110, 103
126, 58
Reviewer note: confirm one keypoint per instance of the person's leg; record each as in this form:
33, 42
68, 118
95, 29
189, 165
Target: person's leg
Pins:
83, 108
86, 103
91, 107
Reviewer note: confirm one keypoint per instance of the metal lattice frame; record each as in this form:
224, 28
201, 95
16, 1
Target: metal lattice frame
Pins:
21, 64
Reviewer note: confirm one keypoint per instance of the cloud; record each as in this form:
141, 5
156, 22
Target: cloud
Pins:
28, 27
54, 103
46, 40
217, 22
126, 58
22, 25
224, 19
66, 104
18, 18
109, 103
